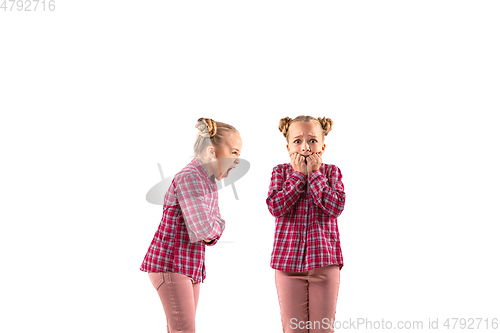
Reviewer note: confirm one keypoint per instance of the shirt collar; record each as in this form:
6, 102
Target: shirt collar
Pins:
203, 170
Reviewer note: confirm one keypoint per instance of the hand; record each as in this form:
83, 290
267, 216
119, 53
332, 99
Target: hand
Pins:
313, 162
298, 163
207, 240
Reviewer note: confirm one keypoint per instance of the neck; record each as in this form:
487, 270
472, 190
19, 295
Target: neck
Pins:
209, 166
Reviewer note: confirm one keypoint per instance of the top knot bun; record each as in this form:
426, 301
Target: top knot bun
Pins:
207, 127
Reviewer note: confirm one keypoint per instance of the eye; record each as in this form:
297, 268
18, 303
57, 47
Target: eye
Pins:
314, 140
235, 152
296, 140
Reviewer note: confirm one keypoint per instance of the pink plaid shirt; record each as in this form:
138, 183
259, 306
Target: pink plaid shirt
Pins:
190, 214
306, 234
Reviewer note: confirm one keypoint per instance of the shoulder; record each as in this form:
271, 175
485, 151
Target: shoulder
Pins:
331, 166
188, 175
332, 170
282, 167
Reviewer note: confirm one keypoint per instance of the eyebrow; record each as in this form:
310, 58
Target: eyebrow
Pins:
311, 135
236, 149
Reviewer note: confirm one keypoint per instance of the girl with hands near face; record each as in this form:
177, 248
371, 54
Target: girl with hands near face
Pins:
306, 196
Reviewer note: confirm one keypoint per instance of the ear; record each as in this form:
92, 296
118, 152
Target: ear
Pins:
210, 152
287, 148
323, 149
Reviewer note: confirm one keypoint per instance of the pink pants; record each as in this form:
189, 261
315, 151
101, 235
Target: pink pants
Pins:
179, 297
308, 300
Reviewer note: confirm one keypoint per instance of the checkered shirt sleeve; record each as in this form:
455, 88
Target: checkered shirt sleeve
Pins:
199, 209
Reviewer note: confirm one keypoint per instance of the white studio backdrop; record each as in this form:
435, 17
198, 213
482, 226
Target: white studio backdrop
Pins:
95, 94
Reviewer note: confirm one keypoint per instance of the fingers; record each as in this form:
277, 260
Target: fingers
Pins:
318, 157
307, 164
314, 157
300, 161
296, 157
313, 162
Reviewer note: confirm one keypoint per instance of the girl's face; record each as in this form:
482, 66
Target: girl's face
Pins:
305, 138
227, 156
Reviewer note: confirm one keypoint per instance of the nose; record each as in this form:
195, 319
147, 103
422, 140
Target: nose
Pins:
305, 146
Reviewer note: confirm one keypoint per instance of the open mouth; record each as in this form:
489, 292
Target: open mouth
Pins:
227, 172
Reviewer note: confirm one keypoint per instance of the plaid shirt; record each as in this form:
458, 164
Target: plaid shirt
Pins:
190, 214
306, 234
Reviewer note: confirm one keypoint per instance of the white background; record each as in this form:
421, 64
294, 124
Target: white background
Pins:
94, 94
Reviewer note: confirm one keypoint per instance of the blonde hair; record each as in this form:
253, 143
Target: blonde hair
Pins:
211, 133
325, 123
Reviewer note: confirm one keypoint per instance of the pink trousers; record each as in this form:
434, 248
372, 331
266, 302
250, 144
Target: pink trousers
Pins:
179, 297
308, 300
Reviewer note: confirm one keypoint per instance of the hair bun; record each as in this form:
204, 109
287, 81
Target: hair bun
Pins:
326, 124
207, 127
284, 125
